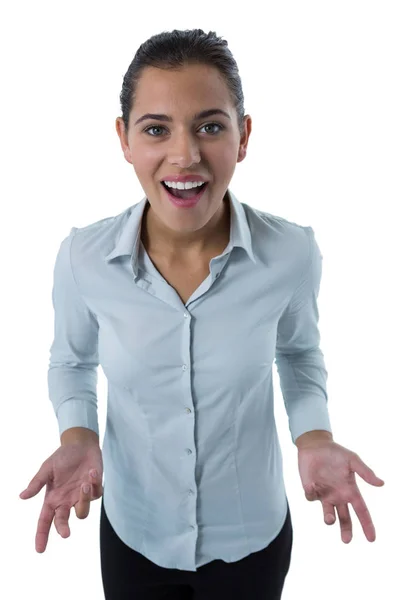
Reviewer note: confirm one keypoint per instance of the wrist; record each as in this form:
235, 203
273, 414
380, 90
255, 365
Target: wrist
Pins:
79, 435
311, 437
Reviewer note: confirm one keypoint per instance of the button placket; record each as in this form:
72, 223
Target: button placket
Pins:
188, 410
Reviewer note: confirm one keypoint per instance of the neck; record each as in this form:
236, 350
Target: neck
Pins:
176, 247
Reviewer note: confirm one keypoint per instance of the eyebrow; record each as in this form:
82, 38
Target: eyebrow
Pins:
201, 115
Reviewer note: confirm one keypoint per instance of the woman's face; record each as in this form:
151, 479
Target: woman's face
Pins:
208, 146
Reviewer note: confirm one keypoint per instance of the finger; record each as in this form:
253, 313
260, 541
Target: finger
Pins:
365, 472
61, 520
97, 487
364, 516
43, 528
35, 485
82, 507
329, 512
310, 492
346, 525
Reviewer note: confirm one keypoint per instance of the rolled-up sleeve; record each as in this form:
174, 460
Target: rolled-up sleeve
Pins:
72, 373
299, 359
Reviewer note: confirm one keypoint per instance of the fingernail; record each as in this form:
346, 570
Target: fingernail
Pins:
85, 489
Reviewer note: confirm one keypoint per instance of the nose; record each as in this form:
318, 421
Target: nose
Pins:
184, 151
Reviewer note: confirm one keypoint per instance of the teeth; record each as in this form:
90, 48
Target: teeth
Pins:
183, 186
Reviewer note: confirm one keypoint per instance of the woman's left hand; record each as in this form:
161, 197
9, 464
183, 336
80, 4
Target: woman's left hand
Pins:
327, 472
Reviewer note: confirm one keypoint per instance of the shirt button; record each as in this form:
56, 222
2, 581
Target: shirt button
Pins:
184, 367
188, 410
188, 451
191, 492
192, 528
185, 315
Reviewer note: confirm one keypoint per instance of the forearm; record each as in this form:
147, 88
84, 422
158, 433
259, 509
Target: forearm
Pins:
311, 436
78, 434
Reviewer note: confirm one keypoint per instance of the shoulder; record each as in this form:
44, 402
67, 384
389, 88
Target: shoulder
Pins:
276, 222
277, 235
98, 237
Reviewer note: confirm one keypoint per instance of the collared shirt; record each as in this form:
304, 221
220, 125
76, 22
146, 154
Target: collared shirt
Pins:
191, 455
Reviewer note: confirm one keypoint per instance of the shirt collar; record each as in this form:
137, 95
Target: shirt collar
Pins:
129, 240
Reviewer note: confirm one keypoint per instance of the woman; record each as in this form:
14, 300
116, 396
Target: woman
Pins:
185, 299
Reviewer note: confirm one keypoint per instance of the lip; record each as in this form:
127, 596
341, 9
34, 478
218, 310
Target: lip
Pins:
184, 178
185, 203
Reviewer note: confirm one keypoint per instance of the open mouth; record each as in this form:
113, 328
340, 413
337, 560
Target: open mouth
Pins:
191, 194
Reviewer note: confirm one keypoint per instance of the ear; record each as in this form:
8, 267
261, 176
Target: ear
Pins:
244, 140
242, 153
120, 127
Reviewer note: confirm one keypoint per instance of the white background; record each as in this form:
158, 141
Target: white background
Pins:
321, 82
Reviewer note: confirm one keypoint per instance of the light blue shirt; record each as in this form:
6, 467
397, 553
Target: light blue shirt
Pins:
191, 456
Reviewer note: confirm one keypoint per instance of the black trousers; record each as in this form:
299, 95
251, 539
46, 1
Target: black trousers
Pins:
128, 575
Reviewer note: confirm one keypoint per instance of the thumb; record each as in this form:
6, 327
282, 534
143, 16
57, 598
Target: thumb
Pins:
35, 485
365, 472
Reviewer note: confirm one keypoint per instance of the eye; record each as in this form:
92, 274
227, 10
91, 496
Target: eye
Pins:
222, 127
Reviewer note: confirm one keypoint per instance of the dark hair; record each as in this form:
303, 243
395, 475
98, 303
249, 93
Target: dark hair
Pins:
175, 49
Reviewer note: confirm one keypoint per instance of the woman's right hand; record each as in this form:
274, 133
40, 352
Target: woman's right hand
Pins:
64, 473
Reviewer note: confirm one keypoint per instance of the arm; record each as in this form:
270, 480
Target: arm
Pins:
299, 360
327, 469
72, 373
